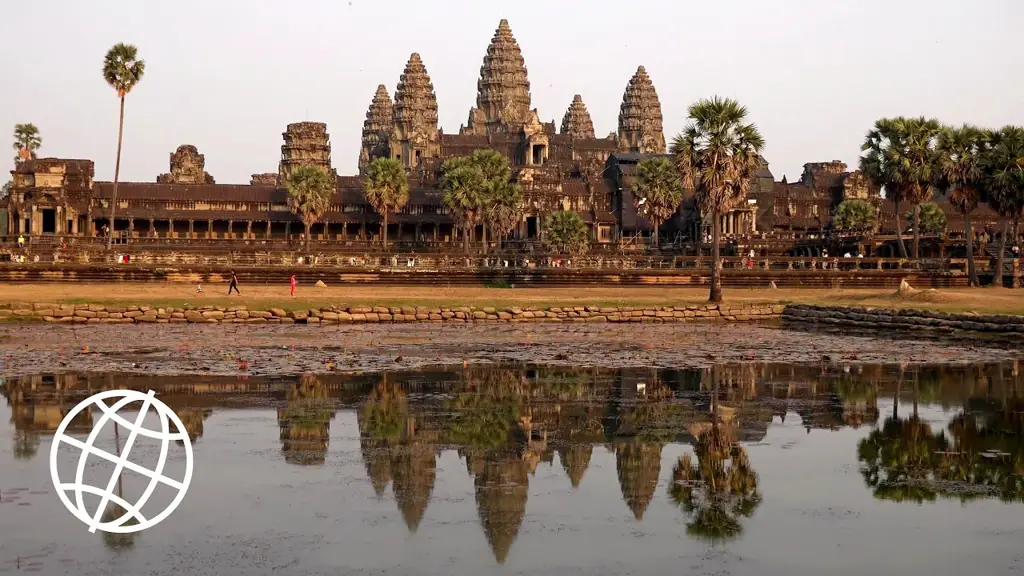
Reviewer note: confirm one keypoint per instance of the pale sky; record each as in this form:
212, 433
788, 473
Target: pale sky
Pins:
229, 75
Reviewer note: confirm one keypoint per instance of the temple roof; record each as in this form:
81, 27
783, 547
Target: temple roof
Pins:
577, 122
379, 115
640, 118
415, 108
503, 90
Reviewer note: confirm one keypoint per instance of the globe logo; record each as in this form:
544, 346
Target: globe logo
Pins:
132, 519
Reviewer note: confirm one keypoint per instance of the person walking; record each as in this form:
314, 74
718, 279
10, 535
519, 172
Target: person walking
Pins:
292, 283
234, 284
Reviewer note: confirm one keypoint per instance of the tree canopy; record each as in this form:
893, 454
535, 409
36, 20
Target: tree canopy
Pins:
856, 215
657, 191
386, 188
122, 68
310, 191
565, 232
27, 142
932, 218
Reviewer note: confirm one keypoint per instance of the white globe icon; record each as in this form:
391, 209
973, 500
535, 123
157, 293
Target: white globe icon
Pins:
132, 519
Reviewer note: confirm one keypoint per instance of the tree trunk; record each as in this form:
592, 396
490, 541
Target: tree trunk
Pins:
896, 396
716, 260
917, 231
654, 233
117, 175
899, 231
972, 271
997, 276
483, 236
465, 238
384, 230
308, 227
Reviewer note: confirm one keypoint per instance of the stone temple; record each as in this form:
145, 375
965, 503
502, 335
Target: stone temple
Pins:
559, 167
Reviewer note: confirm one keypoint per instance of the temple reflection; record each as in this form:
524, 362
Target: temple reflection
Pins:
507, 421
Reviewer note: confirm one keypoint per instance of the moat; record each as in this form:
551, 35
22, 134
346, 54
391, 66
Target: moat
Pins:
839, 467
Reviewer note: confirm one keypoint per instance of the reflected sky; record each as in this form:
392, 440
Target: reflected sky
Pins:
745, 469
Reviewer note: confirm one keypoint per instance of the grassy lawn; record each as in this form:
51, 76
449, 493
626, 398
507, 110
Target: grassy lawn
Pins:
981, 300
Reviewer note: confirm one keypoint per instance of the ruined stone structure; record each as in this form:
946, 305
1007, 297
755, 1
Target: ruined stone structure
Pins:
562, 167
188, 166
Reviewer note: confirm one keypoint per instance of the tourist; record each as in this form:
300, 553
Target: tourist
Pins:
199, 289
292, 283
234, 284
21, 241
847, 255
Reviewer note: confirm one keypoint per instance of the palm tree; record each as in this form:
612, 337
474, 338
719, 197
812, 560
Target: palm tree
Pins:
901, 158
122, 69
26, 141
1004, 183
717, 154
657, 192
565, 232
504, 209
958, 172
930, 218
386, 187
464, 189
310, 191
497, 177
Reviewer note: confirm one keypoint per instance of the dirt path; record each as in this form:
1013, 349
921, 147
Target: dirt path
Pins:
987, 300
246, 350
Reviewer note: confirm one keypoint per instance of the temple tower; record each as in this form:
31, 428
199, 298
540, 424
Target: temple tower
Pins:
188, 166
503, 90
414, 134
305, 144
377, 128
577, 122
640, 120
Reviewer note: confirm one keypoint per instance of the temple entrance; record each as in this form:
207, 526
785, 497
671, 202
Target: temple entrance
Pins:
49, 221
531, 226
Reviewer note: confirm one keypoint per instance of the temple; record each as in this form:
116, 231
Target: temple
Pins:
565, 167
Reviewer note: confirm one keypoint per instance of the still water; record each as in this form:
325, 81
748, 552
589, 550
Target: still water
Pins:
755, 469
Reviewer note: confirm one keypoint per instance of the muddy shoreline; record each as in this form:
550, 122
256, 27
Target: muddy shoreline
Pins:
281, 350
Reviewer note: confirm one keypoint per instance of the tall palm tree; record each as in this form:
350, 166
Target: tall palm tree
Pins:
310, 191
504, 209
122, 69
26, 141
1004, 183
497, 176
900, 156
386, 188
718, 154
958, 171
657, 192
464, 188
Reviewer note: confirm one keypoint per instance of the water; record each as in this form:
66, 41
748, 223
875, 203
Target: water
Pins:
741, 470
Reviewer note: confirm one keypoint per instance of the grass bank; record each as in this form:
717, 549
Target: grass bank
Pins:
979, 300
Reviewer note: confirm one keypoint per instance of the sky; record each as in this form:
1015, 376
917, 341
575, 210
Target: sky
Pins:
229, 75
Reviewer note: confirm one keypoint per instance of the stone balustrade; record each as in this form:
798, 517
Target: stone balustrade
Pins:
94, 314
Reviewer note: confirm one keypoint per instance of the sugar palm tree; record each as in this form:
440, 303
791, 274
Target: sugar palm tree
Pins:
122, 69
718, 154
26, 141
657, 192
900, 156
856, 215
464, 188
565, 232
958, 171
310, 191
497, 175
1004, 183
386, 187
504, 209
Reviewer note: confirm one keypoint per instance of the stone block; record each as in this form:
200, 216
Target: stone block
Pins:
284, 320
277, 312
312, 320
213, 315
332, 316
298, 314
85, 313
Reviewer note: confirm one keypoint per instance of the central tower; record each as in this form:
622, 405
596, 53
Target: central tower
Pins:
503, 90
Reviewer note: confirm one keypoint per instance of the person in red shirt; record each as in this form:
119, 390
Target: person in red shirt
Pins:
292, 282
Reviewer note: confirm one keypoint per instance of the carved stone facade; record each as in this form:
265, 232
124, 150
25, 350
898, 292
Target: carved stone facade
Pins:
414, 135
576, 122
640, 119
305, 144
503, 89
377, 128
264, 179
188, 166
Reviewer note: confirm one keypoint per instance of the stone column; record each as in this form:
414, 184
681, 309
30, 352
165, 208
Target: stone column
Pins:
191, 228
268, 229
131, 227
152, 227
287, 230
231, 228
248, 230
209, 228
170, 227
362, 230
419, 230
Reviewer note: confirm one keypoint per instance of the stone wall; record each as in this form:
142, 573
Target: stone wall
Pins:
902, 319
93, 313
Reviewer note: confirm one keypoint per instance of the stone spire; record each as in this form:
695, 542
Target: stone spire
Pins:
377, 128
415, 109
577, 122
414, 134
503, 90
640, 120
188, 166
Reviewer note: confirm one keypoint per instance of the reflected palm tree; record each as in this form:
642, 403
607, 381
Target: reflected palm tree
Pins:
898, 460
26, 444
115, 541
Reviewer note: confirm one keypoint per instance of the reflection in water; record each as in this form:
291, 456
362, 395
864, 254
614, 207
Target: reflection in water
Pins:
505, 421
